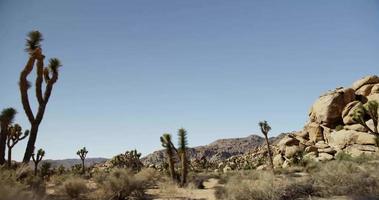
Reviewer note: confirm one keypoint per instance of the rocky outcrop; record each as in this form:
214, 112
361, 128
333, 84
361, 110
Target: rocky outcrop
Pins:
328, 108
331, 127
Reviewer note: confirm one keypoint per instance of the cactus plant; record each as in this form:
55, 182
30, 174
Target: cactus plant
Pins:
265, 128
15, 135
37, 159
82, 153
167, 144
182, 134
369, 109
48, 74
6, 118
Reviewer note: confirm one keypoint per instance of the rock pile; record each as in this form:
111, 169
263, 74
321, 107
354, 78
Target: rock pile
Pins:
331, 127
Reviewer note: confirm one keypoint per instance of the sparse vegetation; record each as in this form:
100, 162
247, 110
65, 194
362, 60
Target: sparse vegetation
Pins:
14, 135
6, 119
74, 187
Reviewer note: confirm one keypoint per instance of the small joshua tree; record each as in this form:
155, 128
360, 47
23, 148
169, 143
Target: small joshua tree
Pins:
48, 74
265, 128
82, 153
6, 119
182, 134
368, 109
15, 135
167, 144
130, 159
37, 159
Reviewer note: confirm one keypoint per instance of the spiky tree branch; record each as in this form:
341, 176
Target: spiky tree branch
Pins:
49, 74
369, 109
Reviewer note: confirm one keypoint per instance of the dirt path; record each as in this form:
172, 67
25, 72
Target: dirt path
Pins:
174, 193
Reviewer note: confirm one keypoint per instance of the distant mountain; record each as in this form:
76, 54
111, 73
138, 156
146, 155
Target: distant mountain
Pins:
68, 163
218, 150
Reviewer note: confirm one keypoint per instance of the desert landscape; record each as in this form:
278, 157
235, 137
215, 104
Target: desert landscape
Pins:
333, 155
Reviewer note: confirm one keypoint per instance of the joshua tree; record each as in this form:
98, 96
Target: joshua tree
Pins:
48, 74
265, 128
82, 153
15, 134
167, 144
6, 119
182, 134
37, 159
130, 159
368, 109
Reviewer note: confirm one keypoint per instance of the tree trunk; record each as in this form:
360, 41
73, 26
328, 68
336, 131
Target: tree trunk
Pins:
9, 157
31, 142
269, 153
171, 166
83, 167
3, 139
184, 168
35, 169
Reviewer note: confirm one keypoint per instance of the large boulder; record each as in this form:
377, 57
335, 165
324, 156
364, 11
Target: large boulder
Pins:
358, 149
375, 89
364, 81
328, 108
365, 90
325, 157
356, 127
292, 151
373, 97
348, 111
344, 138
278, 161
315, 132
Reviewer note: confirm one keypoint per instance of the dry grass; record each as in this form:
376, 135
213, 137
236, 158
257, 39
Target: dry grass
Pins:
74, 188
11, 189
124, 184
347, 178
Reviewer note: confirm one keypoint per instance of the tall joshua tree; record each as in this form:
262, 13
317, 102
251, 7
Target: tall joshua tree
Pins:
6, 119
265, 128
368, 109
48, 74
15, 134
167, 144
182, 134
82, 153
37, 159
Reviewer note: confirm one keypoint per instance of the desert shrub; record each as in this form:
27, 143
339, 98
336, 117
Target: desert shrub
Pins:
124, 184
347, 178
343, 156
263, 186
36, 184
74, 187
11, 189
45, 169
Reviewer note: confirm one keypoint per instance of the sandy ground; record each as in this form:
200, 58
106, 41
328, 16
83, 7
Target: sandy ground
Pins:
174, 193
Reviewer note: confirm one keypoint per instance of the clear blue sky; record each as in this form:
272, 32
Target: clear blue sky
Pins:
136, 69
